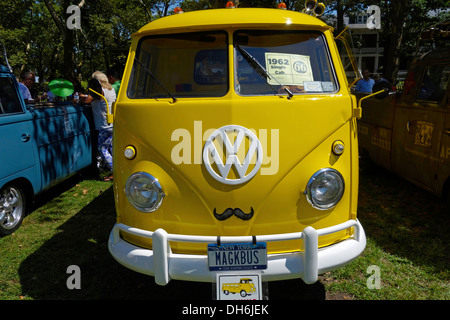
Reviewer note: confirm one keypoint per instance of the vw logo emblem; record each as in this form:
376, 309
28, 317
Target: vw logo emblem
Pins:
230, 151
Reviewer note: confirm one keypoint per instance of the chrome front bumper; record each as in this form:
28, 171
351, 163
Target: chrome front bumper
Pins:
306, 264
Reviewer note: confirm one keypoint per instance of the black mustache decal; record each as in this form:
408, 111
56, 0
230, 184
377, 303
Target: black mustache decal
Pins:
236, 211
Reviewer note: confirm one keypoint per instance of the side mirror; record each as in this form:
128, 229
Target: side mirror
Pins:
94, 87
382, 89
383, 93
109, 116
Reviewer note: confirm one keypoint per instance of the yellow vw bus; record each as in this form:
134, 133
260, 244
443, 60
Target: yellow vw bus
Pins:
244, 287
235, 148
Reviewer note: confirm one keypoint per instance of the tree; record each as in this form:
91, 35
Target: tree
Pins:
402, 22
396, 22
66, 34
37, 38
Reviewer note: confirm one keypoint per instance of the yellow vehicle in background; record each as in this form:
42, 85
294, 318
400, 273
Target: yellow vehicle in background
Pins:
244, 287
409, 132
235, 148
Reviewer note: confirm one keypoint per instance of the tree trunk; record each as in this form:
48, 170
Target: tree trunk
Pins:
394, 40
67, 38
23, 66
340, 16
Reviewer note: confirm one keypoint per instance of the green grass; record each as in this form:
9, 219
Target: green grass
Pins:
25, 258
407, 232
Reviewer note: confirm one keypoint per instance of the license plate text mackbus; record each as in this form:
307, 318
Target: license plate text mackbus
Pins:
237, 256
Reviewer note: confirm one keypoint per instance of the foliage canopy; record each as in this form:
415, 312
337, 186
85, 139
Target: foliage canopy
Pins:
37, 39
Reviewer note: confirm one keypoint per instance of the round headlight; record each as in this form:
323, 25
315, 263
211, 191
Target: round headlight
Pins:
325, 189
144, 192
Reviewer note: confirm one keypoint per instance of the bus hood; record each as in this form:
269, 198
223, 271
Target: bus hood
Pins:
295, 137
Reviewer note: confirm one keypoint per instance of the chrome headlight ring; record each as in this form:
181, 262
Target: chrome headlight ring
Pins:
325, 189
144, 192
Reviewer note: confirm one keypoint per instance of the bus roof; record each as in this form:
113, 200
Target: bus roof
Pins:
441, 54
238, 17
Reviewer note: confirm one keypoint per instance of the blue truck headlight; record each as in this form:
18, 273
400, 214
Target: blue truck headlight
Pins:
144, 192
325, 189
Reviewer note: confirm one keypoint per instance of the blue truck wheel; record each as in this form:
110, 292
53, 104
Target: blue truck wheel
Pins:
12, 208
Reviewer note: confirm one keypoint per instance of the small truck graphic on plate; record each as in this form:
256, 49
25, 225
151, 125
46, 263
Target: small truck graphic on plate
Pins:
244, 287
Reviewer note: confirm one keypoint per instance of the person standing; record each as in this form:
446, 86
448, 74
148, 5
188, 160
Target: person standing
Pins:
366, 83
100, 84
114, 79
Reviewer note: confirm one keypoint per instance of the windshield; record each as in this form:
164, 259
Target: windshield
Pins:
180, 65
294, 60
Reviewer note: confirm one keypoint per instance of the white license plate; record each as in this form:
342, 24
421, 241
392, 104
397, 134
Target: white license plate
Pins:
237, 256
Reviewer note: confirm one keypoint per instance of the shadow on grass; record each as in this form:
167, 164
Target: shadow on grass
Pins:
402, 219
83, 241
405, 220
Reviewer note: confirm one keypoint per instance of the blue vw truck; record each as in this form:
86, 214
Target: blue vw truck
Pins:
40, 145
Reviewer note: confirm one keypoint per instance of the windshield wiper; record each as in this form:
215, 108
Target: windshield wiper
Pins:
156, 80
261, 70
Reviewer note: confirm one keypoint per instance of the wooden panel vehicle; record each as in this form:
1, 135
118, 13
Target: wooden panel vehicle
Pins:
235, 148
409, 133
